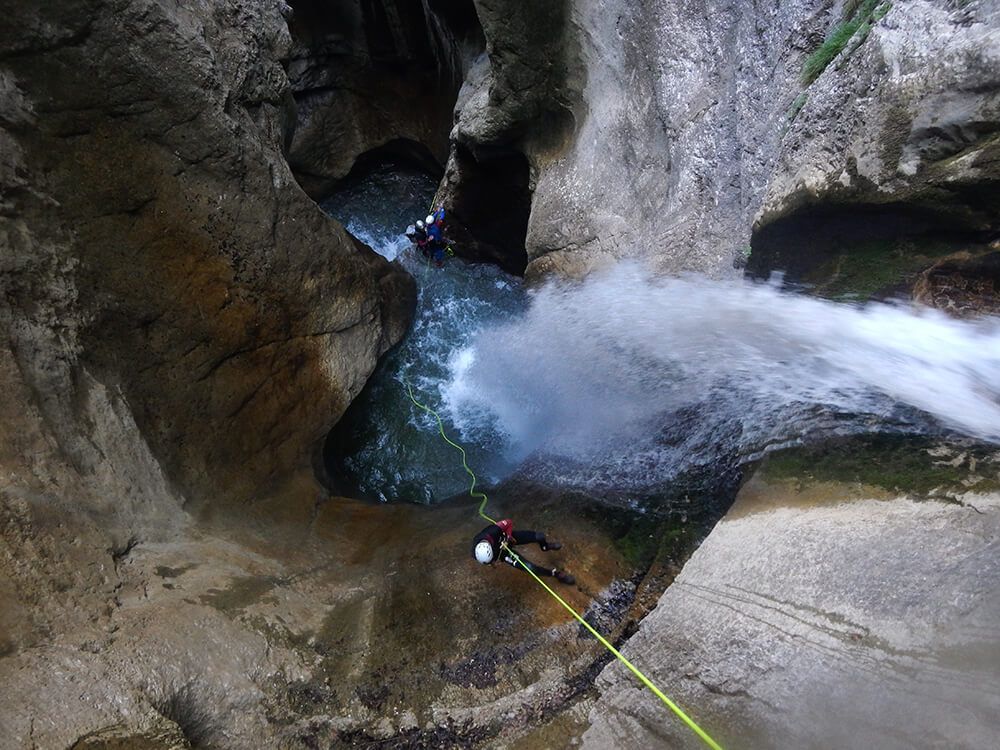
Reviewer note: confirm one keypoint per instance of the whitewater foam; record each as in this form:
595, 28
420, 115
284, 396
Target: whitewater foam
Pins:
608, 373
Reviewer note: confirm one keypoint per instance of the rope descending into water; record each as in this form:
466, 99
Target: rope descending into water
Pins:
472, 488
604, 641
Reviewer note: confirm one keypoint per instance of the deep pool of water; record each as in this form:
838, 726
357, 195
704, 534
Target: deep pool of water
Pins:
385, 448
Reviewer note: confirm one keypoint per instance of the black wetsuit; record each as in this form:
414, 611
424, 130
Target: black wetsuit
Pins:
420, 240
495, 535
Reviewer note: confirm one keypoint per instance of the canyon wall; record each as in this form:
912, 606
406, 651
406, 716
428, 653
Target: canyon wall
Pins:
673, 131
157, 248
374, 79
180, 325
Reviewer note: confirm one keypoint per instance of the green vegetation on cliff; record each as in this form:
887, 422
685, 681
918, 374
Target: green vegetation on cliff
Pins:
859, 16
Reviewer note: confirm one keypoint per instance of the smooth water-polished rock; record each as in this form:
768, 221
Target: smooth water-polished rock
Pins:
180, 325
323, 621
157, 245
830, 613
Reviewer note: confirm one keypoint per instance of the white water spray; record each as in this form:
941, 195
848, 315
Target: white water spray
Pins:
627, 376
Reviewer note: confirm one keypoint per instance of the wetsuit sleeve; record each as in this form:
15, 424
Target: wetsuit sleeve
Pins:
522, 536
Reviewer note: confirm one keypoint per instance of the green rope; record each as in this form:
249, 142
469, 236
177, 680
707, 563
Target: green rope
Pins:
604, 641
472, 488
635, 670
450, 253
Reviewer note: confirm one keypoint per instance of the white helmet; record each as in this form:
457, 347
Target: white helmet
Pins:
420, 224
429, 220
484, 552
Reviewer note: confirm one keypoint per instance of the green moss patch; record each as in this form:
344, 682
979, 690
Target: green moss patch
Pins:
856, 252
241, 593
165, 571
796, 107
876, 266
859, 17
913, 465
676, 520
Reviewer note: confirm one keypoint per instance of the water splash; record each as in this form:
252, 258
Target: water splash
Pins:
384, 448
377, 208
626, 379
620, 383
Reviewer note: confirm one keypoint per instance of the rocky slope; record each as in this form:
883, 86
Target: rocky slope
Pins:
672, 131
181, 325
313, 622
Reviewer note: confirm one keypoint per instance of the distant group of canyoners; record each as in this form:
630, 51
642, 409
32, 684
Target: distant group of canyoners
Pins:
428, 236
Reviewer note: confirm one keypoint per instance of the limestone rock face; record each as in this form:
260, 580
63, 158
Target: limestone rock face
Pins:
909, 116
668, 131
827, 614
158, 258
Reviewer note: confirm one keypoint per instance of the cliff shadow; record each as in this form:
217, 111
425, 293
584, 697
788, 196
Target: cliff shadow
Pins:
860, 252
489, 214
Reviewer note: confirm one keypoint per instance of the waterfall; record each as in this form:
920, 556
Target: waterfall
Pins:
625, 379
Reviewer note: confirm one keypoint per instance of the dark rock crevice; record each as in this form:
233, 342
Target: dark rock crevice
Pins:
399, 152
518, 110
862, 251
490, 206
373, 75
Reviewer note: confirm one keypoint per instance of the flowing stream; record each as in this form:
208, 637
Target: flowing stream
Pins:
619, 384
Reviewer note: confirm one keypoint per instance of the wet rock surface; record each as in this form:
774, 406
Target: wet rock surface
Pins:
158, 253
965, 284
181, 325
331, 623
848, 599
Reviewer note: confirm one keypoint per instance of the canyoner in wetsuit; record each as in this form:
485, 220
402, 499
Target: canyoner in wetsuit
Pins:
488, 546
437, 243
417, 234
